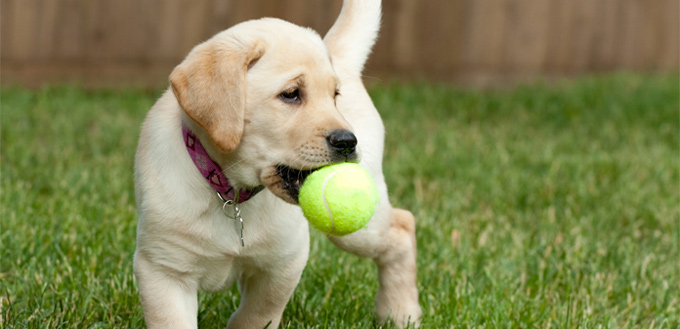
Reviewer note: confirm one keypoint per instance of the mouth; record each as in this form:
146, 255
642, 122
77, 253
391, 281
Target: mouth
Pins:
292, 179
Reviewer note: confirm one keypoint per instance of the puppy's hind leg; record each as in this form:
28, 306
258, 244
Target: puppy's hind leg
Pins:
390, 240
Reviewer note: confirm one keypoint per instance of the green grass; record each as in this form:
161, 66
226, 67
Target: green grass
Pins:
541, 206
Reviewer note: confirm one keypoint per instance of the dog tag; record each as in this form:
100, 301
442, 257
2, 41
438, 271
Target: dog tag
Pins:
238, 220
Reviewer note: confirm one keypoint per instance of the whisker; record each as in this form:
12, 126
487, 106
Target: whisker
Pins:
372, 78
233, 165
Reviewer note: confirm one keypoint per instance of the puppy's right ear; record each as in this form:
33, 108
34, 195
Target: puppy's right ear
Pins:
210, 86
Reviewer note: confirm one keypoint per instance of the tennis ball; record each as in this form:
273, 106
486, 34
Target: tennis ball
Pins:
338, 199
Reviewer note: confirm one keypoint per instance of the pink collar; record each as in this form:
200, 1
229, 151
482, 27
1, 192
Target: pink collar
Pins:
212, 171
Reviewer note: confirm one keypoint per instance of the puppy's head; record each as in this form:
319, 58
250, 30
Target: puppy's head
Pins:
262, 95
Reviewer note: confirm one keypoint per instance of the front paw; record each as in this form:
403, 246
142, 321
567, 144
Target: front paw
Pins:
403, 312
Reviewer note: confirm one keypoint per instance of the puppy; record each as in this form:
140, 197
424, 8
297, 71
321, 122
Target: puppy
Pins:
222, 155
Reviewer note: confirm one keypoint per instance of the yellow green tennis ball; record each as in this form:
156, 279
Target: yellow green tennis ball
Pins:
338, 199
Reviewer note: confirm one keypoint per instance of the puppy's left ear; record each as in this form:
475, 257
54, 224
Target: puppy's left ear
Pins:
210, 86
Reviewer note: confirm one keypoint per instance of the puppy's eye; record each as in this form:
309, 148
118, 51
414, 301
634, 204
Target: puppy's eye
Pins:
291, 96
337, 92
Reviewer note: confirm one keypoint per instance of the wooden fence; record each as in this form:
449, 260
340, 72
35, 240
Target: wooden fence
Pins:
113, 42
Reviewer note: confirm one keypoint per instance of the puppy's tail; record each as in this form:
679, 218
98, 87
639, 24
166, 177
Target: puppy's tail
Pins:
353, 35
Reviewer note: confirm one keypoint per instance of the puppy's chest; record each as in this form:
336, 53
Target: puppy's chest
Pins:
223, 258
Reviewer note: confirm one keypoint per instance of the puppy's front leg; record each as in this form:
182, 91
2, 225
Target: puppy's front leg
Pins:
266, 291
264, 296
167, 302
390, 240
397, 295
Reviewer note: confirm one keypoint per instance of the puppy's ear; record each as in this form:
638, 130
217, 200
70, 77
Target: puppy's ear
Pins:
210, 86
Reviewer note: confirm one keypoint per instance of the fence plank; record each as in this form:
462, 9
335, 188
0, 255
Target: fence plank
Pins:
69, 36
439, 36
669, 25
405, 39
6, 25
24, 28
462, 40
526, 34
603, 47
484, 47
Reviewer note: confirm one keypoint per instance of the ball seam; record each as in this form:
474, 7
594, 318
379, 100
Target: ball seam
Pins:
323, 195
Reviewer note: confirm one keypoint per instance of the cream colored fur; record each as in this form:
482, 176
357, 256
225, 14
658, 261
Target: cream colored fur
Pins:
226, 91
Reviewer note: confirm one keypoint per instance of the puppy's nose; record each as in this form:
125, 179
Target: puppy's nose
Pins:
342, 141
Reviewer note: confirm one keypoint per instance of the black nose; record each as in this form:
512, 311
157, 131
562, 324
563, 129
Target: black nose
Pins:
342, 141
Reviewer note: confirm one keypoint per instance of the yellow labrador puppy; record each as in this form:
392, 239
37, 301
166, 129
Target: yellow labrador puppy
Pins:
221, 157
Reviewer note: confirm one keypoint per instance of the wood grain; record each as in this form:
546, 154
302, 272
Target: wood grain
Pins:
466, 41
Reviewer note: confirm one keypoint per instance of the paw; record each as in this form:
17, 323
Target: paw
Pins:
403, 312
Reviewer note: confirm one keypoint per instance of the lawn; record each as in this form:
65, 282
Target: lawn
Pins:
544, 205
